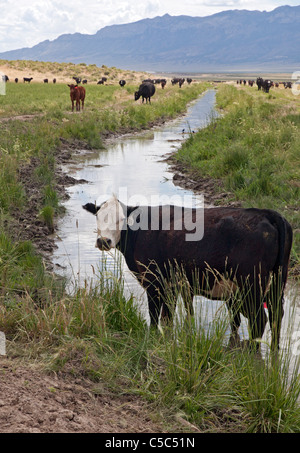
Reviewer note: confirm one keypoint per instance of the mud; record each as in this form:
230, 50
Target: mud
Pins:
32, 401
212, 189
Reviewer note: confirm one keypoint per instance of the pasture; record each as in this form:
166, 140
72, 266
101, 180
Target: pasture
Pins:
186, 378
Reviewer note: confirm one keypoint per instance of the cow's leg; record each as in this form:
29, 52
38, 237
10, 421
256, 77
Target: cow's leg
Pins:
275, 302
253, 309
72, 106
154, 304
82, 104
235, 322
160, 303
275, 319
187, 297
169, 307
257, 324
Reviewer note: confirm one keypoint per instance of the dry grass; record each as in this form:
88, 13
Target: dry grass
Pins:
63, 72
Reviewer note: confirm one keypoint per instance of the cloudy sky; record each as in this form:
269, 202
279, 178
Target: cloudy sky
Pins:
27, 22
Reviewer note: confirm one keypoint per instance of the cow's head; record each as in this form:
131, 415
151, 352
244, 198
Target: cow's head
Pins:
112, 217
137, 95
72, 87
110, 222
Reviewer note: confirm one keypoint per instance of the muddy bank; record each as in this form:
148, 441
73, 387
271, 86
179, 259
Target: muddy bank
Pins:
26, 224
32, 401
212, 189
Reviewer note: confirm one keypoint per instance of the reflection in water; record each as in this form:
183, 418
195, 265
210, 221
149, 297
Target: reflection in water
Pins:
131, 166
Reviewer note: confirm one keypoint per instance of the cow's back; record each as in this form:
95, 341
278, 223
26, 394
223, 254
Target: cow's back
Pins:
238, 239
81, 91
147, 89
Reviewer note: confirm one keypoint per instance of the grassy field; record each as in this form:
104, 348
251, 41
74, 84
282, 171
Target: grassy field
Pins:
182, 372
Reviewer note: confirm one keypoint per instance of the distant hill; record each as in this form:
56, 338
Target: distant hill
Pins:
227, 41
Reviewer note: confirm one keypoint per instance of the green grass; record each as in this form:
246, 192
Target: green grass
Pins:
254, 149
23, 274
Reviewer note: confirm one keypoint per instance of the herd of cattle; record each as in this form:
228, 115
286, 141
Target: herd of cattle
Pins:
264, 84
122, 82
147, 88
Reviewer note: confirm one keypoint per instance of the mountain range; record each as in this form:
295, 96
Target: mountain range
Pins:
227, 41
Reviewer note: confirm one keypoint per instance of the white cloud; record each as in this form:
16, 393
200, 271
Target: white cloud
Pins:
223, 4
27, 23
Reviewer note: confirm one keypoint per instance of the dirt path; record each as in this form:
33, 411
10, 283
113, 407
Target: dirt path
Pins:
32, 401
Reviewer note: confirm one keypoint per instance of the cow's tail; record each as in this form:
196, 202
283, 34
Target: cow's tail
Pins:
280, 274
285, 237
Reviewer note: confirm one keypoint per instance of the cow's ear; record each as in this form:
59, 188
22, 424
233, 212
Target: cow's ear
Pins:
130, 209
127, 210
91, 207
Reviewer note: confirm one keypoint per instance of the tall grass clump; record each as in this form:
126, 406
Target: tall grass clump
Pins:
47, 215
96, 331
22, 273
268, 393
12, 195
192, 372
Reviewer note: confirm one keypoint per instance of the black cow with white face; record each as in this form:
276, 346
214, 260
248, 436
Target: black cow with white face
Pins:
238, 255
266, 85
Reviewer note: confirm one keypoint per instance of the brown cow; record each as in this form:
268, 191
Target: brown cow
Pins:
77, 94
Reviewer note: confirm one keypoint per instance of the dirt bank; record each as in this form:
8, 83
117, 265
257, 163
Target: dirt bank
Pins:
211, 189
32, 401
